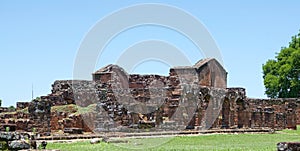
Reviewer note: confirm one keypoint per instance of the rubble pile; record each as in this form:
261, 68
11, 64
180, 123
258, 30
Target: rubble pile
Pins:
14, 141
31, 116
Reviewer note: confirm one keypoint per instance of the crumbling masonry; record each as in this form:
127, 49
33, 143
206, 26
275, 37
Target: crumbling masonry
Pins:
200, 90
190, 97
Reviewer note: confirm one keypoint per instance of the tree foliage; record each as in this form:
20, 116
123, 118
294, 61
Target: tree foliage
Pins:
11, 108
282, 74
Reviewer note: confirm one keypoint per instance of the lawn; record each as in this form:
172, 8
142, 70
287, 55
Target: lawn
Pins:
200, 142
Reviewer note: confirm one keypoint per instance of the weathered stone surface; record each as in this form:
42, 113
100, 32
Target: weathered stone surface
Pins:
130, 90
211, 73
10, 136
18, 145
288, 146
14, 140
40, 115
22, 105
81, 92
189, 97
3, 109
121, 93
73, 130
95, 140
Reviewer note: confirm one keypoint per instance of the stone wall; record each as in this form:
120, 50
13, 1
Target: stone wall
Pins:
80, 92
189, 97
3, 109
127, 100
275, 113
37, 115
22, 105
34, 117
40, 116
241, 112
61, 120
211, 73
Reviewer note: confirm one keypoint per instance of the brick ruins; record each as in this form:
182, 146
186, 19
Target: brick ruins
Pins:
190, 97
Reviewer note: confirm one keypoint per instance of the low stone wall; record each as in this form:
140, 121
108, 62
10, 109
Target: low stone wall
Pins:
275, 113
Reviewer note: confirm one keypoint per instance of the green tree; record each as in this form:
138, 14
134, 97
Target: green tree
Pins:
11, 108
0, 102
282, 74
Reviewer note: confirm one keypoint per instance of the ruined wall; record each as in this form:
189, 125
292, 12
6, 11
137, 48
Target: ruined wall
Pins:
68, 92
40, 116
3, 109
35, 117
190, 97
61, 120
242, 112
80, 92
211, 73
120, 94
22, 105
275, 113
125, 106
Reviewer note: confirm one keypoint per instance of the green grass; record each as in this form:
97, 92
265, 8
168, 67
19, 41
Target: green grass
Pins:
220, 142
88, 109
72, 108
2, 114
25, 110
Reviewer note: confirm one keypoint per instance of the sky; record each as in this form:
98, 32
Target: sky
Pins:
39, 40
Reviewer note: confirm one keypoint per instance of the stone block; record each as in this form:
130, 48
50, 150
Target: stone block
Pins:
288, 146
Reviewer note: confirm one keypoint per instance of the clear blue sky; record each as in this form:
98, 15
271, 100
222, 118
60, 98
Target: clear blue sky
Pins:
39, 39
